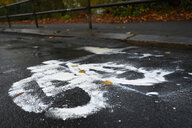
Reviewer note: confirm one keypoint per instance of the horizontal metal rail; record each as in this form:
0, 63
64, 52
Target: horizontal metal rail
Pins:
61, 10
123, 3
80, 9
17, 15
132, 2
45, 12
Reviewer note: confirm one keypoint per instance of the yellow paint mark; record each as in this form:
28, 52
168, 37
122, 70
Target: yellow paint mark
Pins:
168, 53
81, 71
74, 65
107, 82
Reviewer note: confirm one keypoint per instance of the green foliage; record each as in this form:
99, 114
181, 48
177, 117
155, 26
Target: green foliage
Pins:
187, 4
181, 3
162, 7
129, 10
5, 2
66, 17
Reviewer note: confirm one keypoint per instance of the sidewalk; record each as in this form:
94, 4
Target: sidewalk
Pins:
161, 34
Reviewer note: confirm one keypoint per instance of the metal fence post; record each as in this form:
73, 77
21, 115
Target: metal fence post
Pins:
34, 13
7, 15
89, 14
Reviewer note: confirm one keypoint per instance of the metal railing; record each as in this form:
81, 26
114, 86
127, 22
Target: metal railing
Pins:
88, 8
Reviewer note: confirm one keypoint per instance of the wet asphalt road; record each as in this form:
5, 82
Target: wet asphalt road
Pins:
128, 108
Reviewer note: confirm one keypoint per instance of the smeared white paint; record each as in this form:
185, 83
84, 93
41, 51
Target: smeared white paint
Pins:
190, 74
149, 55
150, 78
156, 101
144, 55
9, 71
98, 50
152, 94
96, 103
129, 89
52, 70
35, 47
44, 75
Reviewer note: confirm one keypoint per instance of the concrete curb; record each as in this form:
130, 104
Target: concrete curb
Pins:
133, 39
161, 41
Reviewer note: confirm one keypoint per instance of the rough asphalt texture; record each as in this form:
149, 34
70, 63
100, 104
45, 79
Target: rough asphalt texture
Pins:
171, 109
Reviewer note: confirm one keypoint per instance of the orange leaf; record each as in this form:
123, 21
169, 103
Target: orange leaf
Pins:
50, 37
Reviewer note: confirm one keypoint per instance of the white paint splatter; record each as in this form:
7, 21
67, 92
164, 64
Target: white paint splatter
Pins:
152, 94
9, 71
43, 75
144, 55
35, 47
149, 55
27, 96
119, 121
96, 103
98, 50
